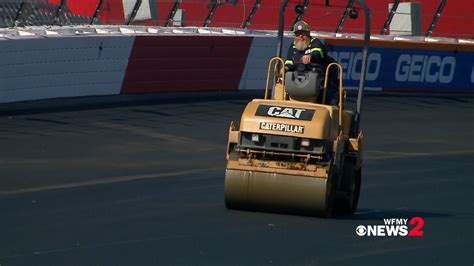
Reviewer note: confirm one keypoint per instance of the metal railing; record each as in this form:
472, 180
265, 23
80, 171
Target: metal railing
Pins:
348, 9
255, 7
134, 12
429, 32
172, 13
97, 12
392, 12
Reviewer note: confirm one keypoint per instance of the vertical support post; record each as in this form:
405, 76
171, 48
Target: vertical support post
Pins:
281, 25
390, 15
436, 18
365, 55
256, 5
344, 15
97, 12
172, 13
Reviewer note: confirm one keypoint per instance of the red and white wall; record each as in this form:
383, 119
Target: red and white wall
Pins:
34, 68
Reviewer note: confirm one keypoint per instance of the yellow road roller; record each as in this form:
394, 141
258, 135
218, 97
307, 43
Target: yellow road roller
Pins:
293, 152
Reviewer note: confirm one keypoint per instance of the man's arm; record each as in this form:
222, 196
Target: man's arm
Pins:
289, 64
314, 53
317, 52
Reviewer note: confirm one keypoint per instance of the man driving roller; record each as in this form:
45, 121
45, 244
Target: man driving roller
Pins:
304, 49
312, 53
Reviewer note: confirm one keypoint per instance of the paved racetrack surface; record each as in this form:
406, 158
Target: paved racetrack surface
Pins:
142, 184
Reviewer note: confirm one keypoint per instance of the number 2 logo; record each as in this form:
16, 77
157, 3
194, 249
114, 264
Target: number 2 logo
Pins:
419, 223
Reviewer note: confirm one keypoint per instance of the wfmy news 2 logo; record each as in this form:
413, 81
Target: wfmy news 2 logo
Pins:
393, 227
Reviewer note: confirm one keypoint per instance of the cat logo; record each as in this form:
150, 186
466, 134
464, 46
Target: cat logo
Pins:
286, 112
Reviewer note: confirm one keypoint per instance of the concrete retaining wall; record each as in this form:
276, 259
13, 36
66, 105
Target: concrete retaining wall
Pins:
33, 67
40, 68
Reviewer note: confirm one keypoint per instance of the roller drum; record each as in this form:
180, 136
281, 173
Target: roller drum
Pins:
283, 193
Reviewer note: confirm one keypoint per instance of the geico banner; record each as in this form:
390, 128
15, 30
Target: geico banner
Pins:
408, 69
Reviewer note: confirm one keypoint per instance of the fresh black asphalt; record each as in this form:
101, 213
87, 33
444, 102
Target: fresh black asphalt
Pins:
142, 184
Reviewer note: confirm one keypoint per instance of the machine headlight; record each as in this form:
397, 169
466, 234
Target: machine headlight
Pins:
305, 143
255, 138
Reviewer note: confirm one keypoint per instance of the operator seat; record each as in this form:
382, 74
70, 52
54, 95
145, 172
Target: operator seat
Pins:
305, 83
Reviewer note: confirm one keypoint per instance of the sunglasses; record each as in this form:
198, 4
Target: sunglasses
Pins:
299, 33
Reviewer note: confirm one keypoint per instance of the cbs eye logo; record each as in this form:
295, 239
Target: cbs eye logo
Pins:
361, 230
